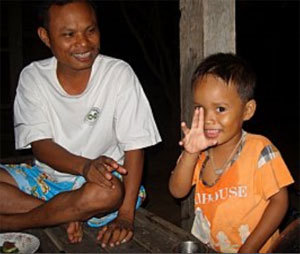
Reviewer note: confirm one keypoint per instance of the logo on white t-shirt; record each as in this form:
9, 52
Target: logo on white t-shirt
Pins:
92, 116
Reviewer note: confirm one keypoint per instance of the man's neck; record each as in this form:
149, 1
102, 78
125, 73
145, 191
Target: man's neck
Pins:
75, 82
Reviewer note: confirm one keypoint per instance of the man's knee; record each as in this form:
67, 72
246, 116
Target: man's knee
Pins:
103, 198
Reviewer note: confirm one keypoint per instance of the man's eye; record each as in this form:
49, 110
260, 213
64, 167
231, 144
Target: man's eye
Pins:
69, 34
92, 30
221, 109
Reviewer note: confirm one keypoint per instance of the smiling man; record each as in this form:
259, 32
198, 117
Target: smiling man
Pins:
87, 120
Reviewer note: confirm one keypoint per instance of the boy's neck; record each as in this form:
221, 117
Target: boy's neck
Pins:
224, 150
222, 155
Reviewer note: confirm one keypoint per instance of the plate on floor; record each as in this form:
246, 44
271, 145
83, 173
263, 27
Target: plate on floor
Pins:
26, 243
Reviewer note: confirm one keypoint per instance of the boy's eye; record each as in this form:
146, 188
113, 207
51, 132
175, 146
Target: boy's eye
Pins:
221, 109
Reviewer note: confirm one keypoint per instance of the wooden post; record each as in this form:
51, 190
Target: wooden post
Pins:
206, 27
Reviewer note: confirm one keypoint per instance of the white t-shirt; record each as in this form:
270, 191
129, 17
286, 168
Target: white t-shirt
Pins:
111, 116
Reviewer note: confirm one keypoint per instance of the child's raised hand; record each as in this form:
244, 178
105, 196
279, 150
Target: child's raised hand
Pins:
194, 140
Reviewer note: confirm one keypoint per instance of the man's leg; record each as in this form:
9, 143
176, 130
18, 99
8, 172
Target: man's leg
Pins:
77, 205
12, 199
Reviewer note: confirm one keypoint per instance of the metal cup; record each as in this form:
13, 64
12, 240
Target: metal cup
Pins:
187, 247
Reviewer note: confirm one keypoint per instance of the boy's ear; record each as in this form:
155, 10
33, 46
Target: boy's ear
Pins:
249, 109
43, 34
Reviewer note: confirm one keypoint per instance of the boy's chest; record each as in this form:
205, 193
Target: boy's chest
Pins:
208, 175
235, 184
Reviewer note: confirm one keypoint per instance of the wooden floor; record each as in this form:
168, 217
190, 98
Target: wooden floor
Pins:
152, 235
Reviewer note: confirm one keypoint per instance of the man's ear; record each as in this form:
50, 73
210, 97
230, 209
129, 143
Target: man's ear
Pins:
249, 109
43, 34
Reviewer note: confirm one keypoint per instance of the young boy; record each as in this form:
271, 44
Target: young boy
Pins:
240, 178
83, 114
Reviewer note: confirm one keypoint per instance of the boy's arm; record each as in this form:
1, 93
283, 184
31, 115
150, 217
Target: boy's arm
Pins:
194, 142
268, 224
121, 229
180, 182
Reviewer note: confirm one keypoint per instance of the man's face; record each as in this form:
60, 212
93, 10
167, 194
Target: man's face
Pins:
73, 36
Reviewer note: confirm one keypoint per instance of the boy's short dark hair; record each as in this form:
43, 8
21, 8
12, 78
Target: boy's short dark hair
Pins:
45, 5
230, 68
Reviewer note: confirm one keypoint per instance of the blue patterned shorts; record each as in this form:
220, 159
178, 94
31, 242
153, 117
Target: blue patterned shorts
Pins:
33, 181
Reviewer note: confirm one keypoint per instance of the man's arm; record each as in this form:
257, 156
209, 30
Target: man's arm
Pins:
268, 224
121, 229
57, 157
134, 162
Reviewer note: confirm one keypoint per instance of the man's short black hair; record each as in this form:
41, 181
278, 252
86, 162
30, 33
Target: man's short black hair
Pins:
45, 5
231, 69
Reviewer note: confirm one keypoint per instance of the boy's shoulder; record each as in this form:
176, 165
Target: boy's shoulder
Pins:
257, 142
257, 138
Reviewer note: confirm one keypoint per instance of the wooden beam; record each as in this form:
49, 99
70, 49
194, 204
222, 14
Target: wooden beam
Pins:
206, 27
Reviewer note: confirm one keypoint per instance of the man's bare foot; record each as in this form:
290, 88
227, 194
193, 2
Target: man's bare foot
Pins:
74, 231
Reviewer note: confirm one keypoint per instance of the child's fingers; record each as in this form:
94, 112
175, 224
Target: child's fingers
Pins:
184, 128
201, 119
195, 120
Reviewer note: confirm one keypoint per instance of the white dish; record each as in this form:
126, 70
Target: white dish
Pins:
26, 243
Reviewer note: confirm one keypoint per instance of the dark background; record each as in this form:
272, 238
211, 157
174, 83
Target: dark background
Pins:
267, 36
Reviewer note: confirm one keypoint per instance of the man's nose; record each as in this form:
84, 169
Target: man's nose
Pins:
81, 40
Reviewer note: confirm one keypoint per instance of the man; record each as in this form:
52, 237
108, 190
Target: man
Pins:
84, 115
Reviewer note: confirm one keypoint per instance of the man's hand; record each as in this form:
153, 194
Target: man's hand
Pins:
99, 171
194, 140
116, 232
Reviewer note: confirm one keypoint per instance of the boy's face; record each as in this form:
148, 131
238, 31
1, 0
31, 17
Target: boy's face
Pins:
73, 36
224, 111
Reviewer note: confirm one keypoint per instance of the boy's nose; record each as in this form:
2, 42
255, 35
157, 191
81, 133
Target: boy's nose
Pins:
209, 117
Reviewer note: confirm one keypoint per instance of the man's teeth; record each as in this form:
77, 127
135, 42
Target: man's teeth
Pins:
82, 55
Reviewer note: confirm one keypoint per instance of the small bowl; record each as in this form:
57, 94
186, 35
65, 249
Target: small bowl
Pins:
187, 247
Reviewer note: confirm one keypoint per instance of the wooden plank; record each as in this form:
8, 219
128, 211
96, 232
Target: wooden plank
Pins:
88, 244
161, 236
131, 247
46, 245
152, 235
288, 240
